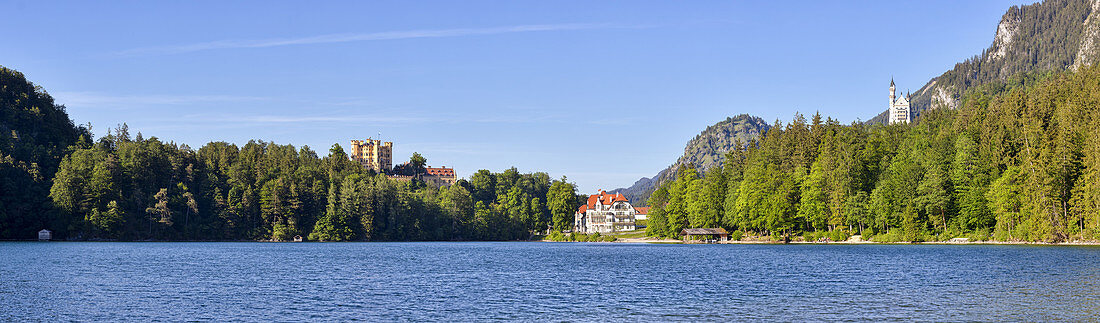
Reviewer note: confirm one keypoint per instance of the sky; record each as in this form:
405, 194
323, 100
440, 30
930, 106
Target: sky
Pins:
602, 92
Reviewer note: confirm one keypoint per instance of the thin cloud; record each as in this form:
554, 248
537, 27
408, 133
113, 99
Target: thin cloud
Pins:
95, 99
308, 119
358, 37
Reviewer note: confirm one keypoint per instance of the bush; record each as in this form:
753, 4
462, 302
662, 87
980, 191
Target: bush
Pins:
579, 237
889, 236
979, 235
556, 236
838, 235
736, 235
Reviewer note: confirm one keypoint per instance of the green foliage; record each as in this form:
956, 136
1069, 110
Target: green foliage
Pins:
812, 205
35, 135
1029, 55
562, 204
1015, 162
414, 167
834, 236
657, 220
890, 236
556, 236
146, 189
707, 150
53, 176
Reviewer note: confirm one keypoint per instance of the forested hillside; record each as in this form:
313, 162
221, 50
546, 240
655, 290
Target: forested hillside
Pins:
705, 151
136, 189
34, 134
1018, 161
1050, 36
127, 187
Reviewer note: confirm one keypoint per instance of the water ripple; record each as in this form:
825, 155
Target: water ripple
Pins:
544, 282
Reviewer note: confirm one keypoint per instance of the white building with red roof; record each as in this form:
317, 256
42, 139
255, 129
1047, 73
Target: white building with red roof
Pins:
606, 212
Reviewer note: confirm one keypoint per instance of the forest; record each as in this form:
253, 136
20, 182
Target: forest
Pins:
1019, 161
139, 189
1044, 36
123, 187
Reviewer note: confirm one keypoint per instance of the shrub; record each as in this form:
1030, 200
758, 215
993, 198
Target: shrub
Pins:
981, 234
736, 235
837, 235
889, 236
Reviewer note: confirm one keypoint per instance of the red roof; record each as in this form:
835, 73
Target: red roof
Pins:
442, 171
641, 209
603, 198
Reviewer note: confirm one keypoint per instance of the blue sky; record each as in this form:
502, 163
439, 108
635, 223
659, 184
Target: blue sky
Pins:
603, 92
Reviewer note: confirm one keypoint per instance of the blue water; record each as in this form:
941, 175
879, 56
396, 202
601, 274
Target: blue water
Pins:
63, 281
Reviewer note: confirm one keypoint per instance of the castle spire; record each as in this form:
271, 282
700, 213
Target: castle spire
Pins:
891, 105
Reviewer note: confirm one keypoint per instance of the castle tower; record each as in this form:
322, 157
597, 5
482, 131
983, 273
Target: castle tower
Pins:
899, 107
373, 154
891, 93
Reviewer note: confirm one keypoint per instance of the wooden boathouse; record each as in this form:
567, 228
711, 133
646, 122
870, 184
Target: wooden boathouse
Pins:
705, 234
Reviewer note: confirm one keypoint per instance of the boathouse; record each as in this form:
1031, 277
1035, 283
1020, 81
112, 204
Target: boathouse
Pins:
45, 235
717, 234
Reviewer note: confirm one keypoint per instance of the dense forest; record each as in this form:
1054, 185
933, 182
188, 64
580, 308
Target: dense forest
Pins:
34, 134
1019, 161
137, 188
52, 175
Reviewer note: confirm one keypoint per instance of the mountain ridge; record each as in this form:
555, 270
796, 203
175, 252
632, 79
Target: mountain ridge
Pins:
1021, 44
705, 150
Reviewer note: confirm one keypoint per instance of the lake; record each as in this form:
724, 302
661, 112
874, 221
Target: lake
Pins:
532, 281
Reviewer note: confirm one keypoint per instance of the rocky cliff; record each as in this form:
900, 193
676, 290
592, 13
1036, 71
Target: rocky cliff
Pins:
1044, 37
706, 150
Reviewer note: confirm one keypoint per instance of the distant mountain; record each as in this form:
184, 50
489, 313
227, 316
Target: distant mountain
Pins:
1051, 36
706, 150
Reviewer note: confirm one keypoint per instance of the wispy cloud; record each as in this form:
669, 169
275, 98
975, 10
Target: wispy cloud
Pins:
358, 37
308, 119
96, 99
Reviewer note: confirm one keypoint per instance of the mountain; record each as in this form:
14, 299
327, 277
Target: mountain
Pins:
1051, 36
706, 150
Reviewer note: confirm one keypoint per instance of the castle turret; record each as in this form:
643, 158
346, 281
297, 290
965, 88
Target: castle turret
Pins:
899, 107
891, 105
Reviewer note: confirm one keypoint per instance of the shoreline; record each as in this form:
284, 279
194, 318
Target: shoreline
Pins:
641, 241
673, 241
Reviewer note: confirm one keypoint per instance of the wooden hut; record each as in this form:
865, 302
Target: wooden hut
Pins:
45, 235
705, 234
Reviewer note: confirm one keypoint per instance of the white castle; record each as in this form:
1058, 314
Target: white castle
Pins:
899, 108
